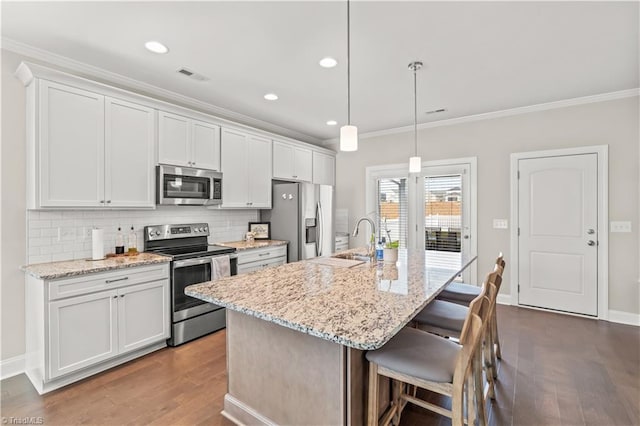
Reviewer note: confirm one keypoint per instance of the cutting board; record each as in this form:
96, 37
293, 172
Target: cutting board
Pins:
333, 261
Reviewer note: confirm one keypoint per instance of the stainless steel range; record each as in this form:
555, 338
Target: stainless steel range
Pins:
193, 261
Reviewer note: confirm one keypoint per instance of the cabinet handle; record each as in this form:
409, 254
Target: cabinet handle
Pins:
264, 254
108, 201
294, 176
265, 265
122, 295
113, 281
115, 297
101, 201
193, 164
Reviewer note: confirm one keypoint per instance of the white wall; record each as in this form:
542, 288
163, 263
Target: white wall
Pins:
30, 237
614, 123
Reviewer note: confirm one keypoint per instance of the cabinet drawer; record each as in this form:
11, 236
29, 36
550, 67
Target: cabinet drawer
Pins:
342, 239
261, 254
261, 264
92, 283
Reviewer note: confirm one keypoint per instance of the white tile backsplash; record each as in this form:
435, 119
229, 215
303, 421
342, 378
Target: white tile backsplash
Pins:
65, 235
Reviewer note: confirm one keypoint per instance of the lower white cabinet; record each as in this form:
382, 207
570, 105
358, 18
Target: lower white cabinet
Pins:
110, 318
261, 258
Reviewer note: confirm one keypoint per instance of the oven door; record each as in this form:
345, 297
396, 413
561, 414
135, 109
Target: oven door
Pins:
193, 271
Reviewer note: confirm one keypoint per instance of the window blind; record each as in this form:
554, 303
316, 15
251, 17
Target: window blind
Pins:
443, 213
392, 209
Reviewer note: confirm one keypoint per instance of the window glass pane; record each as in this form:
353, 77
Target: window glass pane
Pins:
392, 210
443, 218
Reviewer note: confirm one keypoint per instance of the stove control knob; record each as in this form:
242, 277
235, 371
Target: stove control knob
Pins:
199, 229
206, 229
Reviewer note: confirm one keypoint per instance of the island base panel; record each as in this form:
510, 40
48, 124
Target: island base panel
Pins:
279, 376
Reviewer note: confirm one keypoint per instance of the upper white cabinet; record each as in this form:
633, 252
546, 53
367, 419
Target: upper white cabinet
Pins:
89, 150
187, 142
324, 169
246, 169
291, 162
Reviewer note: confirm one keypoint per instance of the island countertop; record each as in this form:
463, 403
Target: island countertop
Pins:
361, 307
244, 245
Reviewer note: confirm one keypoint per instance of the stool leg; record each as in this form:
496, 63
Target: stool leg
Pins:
478, 387
496, 339
372, 406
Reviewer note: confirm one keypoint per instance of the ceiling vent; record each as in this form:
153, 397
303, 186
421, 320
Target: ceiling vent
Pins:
192, 74
436, 111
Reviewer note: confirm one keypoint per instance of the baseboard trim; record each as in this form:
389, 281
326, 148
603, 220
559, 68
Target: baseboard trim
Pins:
11, 366
622, 317
503, 299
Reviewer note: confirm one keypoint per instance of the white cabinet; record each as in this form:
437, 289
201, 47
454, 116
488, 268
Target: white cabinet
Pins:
82, 325
246, 169
342, 242
324, 169
251, 260
291, 162
90, 150
186, 142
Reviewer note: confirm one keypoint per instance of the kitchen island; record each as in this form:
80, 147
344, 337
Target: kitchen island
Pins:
297, 333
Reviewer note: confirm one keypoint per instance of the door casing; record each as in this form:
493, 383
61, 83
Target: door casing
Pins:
602, 152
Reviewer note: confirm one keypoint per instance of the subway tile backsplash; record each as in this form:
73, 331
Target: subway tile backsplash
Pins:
66, 235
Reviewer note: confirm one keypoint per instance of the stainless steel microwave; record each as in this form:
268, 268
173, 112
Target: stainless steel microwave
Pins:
187, 186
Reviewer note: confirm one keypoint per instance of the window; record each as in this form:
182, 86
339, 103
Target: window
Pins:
392, 209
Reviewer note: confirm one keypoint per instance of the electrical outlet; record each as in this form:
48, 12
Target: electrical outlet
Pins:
86, 233
66, 234
620, 226
500, 224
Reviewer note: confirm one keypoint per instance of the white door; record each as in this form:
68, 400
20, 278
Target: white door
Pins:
444, 227
143, 315
82, 332
129, 154
71, 146
174, 139
205, 142
558, 226
259, 168
235, 184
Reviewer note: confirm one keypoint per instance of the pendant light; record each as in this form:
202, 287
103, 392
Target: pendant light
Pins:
415, 162
348, 133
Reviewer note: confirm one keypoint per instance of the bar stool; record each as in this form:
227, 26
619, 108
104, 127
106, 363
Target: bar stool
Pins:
462, 294
413, 357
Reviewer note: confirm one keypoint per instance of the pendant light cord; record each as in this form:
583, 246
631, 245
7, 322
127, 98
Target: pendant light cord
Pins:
348, 64
415, 110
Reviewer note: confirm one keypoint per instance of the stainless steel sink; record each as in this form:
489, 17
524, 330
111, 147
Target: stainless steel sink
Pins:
353, 256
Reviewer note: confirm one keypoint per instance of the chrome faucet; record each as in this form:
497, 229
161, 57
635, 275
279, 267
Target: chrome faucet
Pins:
373, 226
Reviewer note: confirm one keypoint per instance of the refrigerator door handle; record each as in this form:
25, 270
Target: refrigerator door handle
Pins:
320, 229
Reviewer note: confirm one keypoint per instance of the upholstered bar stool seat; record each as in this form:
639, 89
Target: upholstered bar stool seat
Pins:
418, 354
460, 293
443, 315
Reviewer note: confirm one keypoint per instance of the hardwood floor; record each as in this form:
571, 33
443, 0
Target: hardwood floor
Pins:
556, 370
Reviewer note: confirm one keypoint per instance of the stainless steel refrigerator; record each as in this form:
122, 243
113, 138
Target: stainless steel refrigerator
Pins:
303, 214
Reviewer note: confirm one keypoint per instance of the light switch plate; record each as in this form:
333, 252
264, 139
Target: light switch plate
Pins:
620, 226
500, 224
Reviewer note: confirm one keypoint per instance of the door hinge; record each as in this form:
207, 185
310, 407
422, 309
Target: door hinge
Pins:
518, 174
518, 288
518, 232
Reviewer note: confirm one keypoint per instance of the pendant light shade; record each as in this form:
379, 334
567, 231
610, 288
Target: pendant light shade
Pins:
415, 162
348, 138
348, 133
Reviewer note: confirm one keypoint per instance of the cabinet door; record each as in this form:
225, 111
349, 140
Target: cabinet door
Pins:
71, 147
174, 139
205, 145
323, 169
283, 161
303, 164
129, 154
235, 174
259, 165
143, 315
82, 332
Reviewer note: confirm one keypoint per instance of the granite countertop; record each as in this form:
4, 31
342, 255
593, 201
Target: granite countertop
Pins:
243, 245
70, 268
361, 307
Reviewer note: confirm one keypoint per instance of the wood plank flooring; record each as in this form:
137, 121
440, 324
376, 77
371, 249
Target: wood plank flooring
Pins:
556, 370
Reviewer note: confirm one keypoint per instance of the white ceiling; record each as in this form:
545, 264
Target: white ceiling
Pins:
479, 56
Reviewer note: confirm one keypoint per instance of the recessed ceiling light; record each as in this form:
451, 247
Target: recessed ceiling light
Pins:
332, 123
328, 62
156, 47
271, 96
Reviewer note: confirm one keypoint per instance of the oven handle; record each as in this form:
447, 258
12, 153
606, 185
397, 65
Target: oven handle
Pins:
198, 261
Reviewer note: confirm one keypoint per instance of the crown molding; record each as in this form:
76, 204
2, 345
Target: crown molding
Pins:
629, 93
129, 83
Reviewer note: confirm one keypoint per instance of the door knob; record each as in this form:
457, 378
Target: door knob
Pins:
591, 231
591, 243
284, 196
